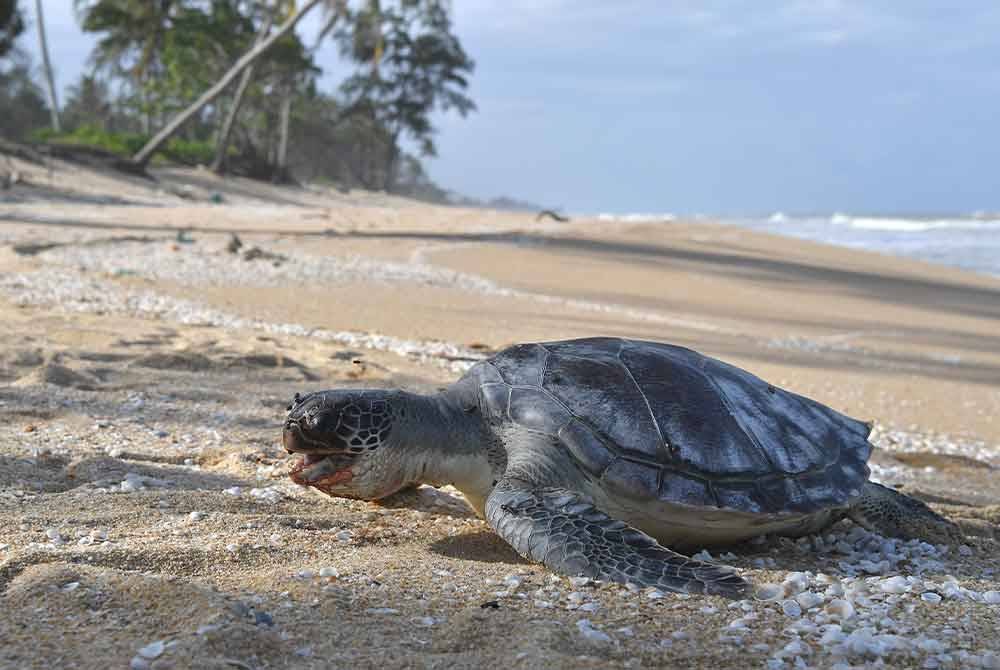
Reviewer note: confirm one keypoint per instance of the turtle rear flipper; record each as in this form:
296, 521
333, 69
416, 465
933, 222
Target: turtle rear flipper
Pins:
889, 512
571, 536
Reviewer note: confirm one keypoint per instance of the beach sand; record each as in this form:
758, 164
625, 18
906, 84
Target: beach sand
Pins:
146, 517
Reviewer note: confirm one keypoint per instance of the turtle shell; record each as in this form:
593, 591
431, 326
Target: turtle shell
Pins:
654, 421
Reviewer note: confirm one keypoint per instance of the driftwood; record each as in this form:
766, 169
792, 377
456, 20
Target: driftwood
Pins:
33, 248
75, 153
555, 216
22, 151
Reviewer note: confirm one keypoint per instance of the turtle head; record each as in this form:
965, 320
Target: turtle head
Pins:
349, 441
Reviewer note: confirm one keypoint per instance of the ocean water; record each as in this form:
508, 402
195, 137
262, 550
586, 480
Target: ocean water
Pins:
967, 242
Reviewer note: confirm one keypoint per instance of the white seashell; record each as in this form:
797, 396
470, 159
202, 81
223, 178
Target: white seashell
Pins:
842, 609
896, 584
770, 592
796, 582
791, 608
834, 590
153, 649
796, 648
833, 636
808, 600
591, 633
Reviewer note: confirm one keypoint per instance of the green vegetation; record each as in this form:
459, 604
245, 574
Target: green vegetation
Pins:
153, 59
123, 145
120, 144
11, 25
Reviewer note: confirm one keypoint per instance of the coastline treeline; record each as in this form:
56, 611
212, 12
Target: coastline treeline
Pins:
400, 62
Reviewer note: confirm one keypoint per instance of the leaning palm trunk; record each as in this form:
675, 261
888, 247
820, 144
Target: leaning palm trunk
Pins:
281, 160
49, 80
141, 159
219, 165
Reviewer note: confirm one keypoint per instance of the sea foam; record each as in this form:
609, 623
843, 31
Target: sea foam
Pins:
904, 225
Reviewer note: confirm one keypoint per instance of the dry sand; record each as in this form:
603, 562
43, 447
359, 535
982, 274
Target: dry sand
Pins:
144, 503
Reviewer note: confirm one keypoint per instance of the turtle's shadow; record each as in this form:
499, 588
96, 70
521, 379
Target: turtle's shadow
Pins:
488, 547
483, 546
424, 498
59, 474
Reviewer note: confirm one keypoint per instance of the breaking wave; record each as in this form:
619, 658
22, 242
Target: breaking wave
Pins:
903, 225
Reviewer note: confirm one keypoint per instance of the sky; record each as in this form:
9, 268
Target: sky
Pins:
702, 106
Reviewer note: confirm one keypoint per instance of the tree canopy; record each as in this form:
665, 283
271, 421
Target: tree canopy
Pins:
11, 25
22, 101
153, 58
411, 65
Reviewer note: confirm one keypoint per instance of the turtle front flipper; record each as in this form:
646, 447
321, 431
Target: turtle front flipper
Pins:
571, 536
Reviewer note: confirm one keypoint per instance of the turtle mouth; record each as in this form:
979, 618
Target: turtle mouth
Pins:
322, 465
321, 471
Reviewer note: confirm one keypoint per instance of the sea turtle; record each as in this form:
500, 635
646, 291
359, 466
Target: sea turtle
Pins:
593, 456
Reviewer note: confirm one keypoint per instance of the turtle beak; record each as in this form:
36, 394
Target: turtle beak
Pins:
292, 437
300, 434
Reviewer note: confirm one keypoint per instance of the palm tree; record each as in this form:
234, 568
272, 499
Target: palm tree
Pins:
134, 33
225, 132
11, 25
141, 159
43, 45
